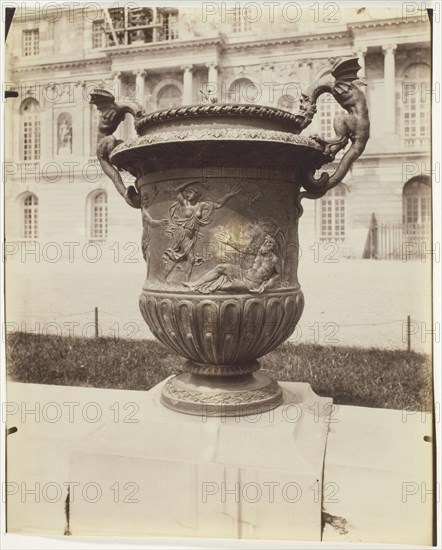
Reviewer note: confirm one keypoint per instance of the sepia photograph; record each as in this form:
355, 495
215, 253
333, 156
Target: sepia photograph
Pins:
221, 313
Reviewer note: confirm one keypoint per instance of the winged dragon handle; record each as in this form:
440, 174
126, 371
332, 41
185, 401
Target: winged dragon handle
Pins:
353, 126
111, 116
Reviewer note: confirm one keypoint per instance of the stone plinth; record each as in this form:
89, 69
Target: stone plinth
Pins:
377, 478
254, 477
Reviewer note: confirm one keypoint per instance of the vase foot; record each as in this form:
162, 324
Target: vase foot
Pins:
221, 396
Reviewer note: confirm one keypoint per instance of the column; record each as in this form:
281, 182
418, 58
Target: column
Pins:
118, 94
48, 125
78, 143
187, 84
268, 92
360, 52
116, 85
389, 88
210, 87
89, 140
212, 79
140, 75
305, 76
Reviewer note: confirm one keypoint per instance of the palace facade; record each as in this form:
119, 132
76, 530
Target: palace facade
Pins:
161, 58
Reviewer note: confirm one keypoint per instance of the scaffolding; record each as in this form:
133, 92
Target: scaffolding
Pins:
129, 25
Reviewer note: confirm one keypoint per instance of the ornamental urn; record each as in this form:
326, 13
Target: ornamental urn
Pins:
219, 188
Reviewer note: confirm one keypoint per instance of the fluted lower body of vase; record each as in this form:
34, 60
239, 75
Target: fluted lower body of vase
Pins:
222, 336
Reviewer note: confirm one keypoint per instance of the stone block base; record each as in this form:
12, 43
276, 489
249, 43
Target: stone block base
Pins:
172, 474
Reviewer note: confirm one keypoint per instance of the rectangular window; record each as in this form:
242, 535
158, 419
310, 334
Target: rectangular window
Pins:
31, 42
98, 35
30, 225
415, 119
31, 138
170, 26
99, 228
412, 209
328, 108
242, 20
333, 217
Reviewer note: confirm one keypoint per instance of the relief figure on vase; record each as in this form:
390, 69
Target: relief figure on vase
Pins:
262, 270
186, 217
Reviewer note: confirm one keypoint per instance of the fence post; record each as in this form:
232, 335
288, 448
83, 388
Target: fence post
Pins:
96, 322
408, 333
375, 242
371, 245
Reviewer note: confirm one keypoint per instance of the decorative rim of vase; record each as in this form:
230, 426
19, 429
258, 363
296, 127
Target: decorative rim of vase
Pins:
219, 109
217, 134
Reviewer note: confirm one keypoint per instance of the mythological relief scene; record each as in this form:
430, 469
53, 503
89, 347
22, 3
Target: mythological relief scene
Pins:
203, 237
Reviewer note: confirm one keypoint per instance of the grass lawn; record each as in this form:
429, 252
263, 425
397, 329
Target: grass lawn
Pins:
350, 375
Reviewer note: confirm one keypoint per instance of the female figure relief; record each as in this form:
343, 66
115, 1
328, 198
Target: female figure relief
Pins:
186, 216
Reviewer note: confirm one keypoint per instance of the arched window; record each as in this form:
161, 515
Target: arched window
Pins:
98, 216
169, 97
64, 134
327, 109
30, 217
286, 102
416, 105
416, 206
30, 115
332, 216
243, 90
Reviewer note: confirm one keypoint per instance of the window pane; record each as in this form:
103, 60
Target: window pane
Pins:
30, 129
415, 104
99, 216
333, 215
97, 34
31, 42
30, 217
328, 108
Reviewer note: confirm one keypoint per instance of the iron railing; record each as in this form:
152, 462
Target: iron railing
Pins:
397, 241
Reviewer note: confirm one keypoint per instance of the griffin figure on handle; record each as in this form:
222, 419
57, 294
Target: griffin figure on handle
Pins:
354, 125
112, 115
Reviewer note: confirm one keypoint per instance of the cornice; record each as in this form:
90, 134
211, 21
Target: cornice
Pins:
395, 155
288, 40
385, 23
60, 65
164, 46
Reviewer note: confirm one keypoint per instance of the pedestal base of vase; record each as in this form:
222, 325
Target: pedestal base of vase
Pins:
239, 395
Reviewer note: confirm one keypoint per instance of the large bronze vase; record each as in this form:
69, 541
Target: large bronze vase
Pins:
220, 189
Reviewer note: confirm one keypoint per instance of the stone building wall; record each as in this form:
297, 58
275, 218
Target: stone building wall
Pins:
279, 58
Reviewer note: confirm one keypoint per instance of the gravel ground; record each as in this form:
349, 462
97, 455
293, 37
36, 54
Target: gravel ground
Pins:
350, 302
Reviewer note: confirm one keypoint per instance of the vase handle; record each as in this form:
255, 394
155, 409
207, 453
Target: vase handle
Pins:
351, 126
111, 116
104, 148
